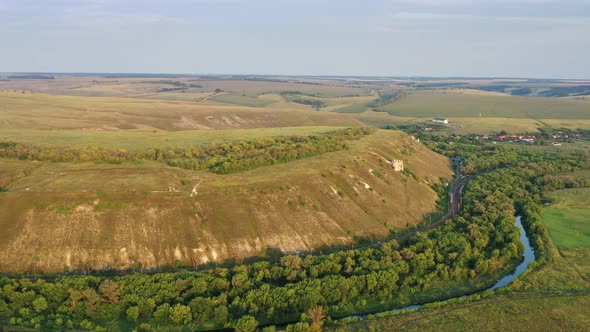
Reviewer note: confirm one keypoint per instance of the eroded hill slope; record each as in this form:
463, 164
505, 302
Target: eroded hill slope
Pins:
80, 216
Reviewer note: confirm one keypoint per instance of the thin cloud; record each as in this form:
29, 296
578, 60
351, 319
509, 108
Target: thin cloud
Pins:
524, 19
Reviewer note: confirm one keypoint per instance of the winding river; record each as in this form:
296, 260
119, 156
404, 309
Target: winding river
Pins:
528, 258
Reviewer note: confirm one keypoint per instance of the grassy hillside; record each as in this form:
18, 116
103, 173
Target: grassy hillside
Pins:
43, 111
68, 216
141, 140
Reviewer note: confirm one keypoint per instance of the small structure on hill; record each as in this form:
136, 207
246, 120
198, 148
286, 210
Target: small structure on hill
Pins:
440, 120
398, 165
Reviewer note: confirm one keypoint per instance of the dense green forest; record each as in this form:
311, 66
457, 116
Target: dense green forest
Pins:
481, 241
219, 158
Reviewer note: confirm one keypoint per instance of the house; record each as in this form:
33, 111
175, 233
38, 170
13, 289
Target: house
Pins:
398, 165
440, 120
528, 138
428, 129
502, 137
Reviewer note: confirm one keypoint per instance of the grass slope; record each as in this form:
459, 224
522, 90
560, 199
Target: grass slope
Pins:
140, 140
114, 215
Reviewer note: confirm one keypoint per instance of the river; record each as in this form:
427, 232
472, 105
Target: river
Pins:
528, 258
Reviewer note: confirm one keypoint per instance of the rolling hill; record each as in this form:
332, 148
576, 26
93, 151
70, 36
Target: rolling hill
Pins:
84, 215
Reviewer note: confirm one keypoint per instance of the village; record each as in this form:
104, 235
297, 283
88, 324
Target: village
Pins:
545, 136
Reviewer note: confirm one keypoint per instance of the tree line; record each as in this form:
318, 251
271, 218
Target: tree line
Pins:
221, 158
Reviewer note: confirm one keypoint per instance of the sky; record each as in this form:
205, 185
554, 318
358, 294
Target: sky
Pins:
473, 38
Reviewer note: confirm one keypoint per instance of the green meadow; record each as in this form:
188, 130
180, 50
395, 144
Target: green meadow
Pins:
569, 218
455, 103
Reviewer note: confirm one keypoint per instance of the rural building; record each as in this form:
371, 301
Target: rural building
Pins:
398, 165
502, 137
440, 120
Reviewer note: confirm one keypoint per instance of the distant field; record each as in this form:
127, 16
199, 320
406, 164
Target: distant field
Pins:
454, 103
254, 88
355, 108
474, 124
241, 100
44, 111
136, 140
569, 218
164, 88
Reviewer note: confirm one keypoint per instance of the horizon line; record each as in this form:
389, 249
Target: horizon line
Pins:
83, 73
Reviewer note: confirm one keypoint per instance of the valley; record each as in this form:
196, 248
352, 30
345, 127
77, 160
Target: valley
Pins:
268, 199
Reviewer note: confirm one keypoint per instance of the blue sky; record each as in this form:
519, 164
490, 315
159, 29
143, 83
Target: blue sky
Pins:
516, 38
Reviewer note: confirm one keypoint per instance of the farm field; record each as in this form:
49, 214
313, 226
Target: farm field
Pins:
457, 104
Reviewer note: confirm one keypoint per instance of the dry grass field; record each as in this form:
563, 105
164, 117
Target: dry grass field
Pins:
44, 111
